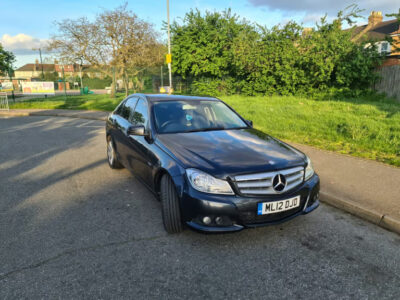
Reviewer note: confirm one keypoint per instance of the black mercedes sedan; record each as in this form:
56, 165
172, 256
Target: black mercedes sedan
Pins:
208, 166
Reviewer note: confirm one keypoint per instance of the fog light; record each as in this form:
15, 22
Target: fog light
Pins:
219, 220
207, 220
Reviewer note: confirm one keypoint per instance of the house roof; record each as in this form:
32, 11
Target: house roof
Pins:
52, 67
380, 30
38, 67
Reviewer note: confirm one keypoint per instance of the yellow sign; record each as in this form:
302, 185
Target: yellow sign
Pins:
6, 86
37, 87
168, 58
166, 89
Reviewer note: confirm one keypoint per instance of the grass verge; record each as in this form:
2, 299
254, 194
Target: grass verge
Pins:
363, 128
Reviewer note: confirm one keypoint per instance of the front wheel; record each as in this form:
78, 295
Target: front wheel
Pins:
111, 155
171, 213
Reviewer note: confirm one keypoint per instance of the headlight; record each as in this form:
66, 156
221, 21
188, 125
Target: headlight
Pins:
206, 183
309, 169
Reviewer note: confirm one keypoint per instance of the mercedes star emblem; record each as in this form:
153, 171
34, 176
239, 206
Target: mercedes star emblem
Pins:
279, 182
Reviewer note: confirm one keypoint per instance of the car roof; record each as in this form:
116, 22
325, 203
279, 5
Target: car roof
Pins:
166, 97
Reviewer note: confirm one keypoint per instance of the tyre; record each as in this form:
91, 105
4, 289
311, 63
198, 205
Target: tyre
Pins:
171, 213
111, 155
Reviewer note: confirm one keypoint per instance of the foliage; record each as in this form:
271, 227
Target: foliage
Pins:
50, 76
96, 83
285, 60
366, 127
117, 39
7, 59
202, 46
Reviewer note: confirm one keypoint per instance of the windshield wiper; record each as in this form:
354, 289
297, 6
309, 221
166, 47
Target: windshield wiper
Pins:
206, 129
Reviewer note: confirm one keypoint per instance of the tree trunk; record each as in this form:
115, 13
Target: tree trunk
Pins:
112, 95
126, 83
113, 83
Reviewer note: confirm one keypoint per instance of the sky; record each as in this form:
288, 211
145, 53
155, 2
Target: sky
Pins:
28, 24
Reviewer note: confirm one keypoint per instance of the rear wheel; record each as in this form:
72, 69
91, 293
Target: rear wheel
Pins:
170, 206
111, 155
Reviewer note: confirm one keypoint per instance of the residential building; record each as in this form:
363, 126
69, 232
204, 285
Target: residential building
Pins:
34, 71
378, 32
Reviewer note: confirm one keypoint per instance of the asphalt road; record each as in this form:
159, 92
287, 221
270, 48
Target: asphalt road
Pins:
70, 227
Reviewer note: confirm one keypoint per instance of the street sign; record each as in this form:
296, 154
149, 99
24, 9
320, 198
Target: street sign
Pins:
166, 89
168, 58
6, 86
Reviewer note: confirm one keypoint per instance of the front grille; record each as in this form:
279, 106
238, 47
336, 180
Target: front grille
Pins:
261, 183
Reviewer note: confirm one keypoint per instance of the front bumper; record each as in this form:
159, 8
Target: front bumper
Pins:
241, 210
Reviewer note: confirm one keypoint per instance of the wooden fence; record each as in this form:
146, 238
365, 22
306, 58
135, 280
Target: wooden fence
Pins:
390, 81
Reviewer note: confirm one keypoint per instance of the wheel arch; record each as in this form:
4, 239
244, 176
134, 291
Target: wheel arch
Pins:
177, 180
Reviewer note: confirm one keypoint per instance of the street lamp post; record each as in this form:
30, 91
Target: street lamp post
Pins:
169, 51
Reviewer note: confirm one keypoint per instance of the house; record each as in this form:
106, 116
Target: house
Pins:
30, 71
33, 71
378, 31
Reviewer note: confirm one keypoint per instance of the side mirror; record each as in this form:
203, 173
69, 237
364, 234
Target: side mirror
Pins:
137, 130
250, 122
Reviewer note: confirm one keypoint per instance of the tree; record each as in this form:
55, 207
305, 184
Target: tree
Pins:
202, 45
222, 53
7, 59
116, 41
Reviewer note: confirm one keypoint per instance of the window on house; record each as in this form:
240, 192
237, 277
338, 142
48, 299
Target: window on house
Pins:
385, 48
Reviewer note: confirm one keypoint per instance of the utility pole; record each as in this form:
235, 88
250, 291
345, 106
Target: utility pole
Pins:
169, 51
41, 61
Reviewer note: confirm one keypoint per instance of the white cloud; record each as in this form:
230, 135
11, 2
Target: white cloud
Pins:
311, 19
22, 44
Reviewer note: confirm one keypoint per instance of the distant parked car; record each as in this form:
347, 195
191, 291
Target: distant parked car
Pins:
208, 166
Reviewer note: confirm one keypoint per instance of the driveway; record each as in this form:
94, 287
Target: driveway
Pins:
70, 227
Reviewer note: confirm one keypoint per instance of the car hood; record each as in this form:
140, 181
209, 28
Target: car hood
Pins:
230, 152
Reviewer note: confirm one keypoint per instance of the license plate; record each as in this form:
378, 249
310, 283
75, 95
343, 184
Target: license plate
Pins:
278, 206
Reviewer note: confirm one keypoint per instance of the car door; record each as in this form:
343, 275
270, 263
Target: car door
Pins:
139, 158
122, 124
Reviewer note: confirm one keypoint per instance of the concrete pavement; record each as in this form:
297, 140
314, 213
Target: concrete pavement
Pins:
365, 188
72, 228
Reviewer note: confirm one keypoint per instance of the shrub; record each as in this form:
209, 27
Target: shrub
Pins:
224, 54
97, 83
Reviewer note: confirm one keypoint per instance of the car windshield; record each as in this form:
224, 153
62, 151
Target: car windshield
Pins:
191, 116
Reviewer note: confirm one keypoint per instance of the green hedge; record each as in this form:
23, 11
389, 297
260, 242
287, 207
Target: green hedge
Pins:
97, 83
223, 54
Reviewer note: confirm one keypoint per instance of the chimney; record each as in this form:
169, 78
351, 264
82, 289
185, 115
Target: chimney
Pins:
375, 18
